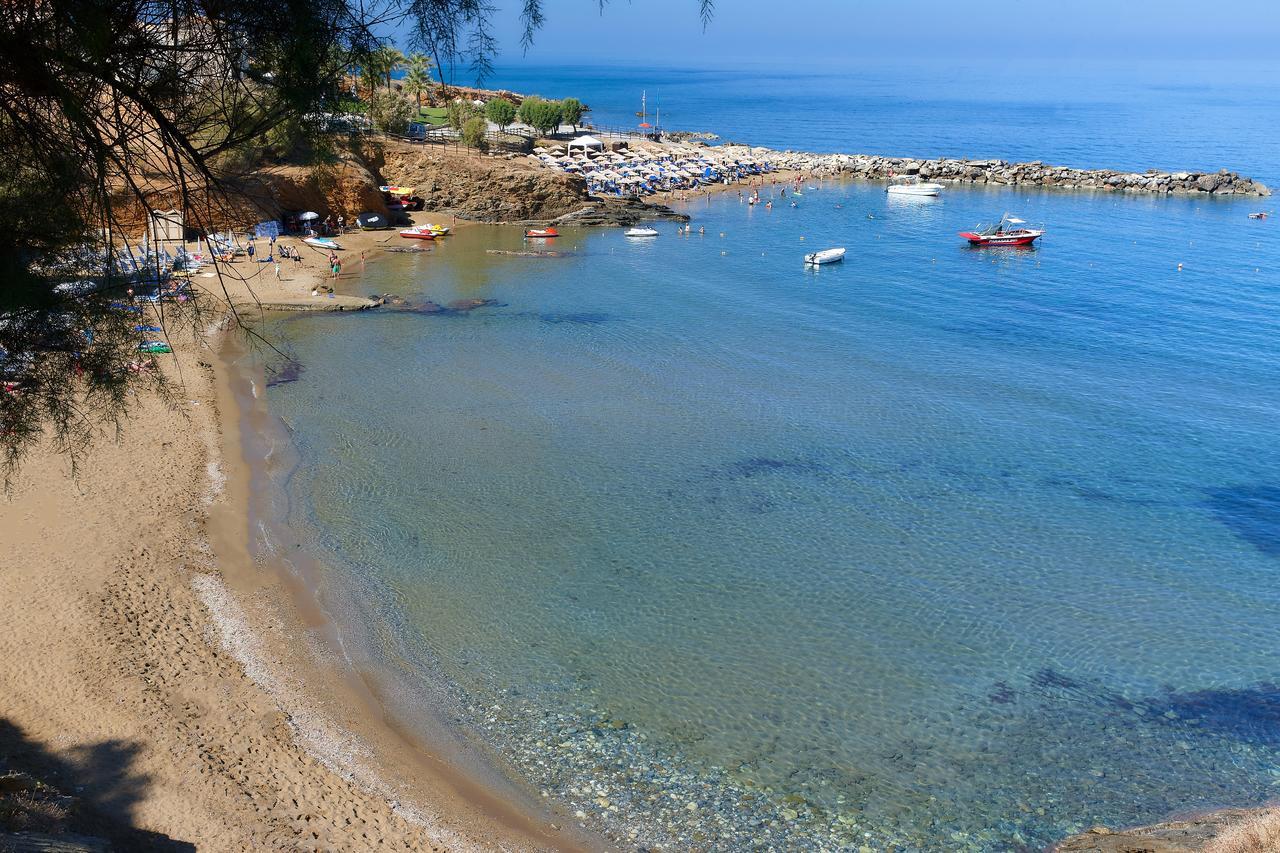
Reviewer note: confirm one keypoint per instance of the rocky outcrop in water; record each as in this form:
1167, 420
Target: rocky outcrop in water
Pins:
1002, 173
612, 212
1224, 831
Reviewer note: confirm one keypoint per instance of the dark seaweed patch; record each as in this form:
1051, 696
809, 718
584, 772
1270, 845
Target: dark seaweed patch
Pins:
289, 371
578, 318
1093, 494
1252, 513
755, 466
1249, 714
1053, 678
1002, 694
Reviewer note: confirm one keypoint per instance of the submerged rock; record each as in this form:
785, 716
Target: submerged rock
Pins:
470, 304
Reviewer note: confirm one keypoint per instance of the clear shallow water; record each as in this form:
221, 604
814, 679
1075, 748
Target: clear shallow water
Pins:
1195, 115
971, 548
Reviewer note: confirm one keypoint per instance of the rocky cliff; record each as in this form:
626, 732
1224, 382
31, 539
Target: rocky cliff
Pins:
485, 189
347, 187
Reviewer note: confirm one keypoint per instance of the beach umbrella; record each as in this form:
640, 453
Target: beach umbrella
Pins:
309, 216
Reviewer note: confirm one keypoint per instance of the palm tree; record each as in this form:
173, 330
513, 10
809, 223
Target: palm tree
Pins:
387, 58
417, 78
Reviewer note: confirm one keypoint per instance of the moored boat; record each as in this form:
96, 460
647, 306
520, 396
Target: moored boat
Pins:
641, 232
826, 256
1007, 232
418, 232
541, 233
1262, 214
322, 243
913, 186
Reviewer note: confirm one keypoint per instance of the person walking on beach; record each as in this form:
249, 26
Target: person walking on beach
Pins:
277, 266
342, 224
250, 250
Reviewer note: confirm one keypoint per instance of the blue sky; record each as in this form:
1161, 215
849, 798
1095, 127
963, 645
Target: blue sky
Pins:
809, 31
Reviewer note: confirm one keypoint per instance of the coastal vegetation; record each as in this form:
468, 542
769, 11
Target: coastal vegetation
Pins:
460, 112
473, 132
200, 94
542, 115
417, 77
500, 111
571, 111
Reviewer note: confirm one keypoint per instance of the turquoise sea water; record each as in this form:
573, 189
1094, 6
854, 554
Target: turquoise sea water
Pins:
939, 548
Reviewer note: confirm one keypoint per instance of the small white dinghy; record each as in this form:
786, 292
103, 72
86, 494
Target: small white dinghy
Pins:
641, 232
826, 256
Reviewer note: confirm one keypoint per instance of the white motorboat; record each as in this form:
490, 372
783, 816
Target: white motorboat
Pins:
911, 185
641, 232
826, 256
323, 243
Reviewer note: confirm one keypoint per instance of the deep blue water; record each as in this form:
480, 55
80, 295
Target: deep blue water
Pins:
1192, 115
965, 548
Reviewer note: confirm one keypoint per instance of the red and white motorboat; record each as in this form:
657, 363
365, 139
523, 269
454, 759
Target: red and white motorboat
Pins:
1007, 232
541, 233
419, 232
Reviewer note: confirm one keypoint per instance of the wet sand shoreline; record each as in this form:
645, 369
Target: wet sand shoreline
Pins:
142, 625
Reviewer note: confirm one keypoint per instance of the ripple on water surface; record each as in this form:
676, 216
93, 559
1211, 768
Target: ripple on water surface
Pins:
934, 548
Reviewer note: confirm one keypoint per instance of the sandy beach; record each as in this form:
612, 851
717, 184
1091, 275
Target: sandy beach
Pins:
179, 688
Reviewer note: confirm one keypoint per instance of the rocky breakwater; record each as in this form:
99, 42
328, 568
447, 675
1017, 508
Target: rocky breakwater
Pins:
1002, 173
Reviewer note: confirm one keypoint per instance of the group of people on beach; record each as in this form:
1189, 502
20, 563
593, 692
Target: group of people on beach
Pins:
754, 197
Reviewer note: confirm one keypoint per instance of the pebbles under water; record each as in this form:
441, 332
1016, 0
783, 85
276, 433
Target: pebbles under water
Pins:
939, 548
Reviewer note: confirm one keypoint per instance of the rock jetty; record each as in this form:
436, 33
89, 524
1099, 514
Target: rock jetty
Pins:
1001, 173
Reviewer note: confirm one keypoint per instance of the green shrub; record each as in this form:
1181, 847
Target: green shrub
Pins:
390, 112
571, 111
500, 111
473, 133
460, 112
543, 116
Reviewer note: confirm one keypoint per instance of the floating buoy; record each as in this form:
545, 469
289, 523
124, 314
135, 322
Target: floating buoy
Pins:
802, 238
